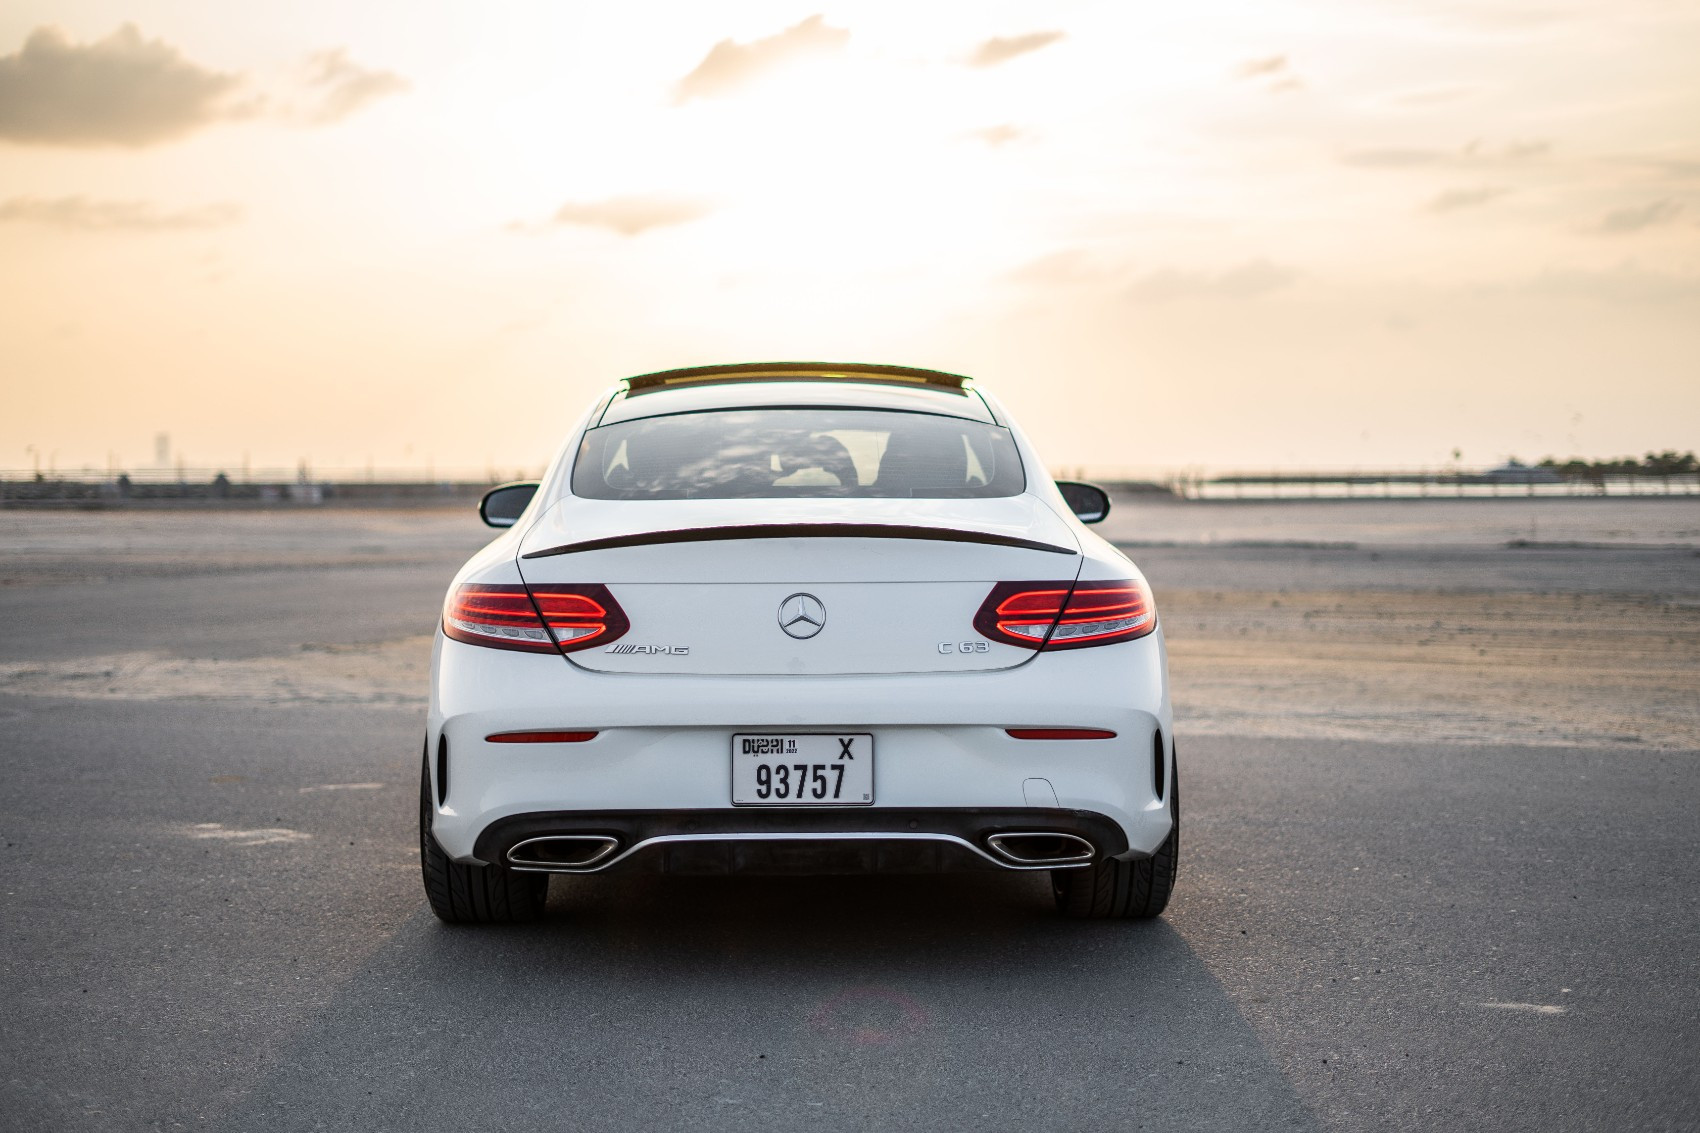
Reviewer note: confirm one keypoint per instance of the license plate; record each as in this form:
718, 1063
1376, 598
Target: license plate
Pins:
802, 769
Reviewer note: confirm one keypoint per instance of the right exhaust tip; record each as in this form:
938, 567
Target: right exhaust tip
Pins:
1042, 847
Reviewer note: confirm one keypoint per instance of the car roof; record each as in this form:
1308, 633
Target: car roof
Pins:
814, 384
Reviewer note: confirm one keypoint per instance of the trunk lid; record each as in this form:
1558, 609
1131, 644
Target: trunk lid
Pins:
867, 586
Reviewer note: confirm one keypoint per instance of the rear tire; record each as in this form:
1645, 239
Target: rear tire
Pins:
1138, 890
473, 894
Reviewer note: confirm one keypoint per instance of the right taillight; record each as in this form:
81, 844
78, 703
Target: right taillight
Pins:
545, 619
1066, 615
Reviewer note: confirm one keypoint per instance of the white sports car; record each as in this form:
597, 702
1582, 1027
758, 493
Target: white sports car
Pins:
797, 617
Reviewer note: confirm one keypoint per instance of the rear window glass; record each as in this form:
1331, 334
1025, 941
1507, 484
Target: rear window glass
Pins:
756, 453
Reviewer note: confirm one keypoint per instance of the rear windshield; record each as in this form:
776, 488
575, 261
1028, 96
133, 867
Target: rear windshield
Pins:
810, 451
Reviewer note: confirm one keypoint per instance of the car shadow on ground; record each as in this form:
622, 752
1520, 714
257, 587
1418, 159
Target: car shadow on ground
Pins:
775, 1003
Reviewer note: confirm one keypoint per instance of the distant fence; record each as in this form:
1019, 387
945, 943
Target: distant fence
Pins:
178, 488
1536, 482
1347, 484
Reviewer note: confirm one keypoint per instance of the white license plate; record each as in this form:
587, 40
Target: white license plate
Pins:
802, 769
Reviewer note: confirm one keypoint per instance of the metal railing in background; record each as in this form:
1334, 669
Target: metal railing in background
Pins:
1437, 485
1357, 483
260, 487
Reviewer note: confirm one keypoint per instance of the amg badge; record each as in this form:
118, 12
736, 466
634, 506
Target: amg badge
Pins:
675, 650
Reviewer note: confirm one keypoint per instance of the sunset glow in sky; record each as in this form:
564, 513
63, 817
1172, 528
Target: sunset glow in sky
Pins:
1290, 233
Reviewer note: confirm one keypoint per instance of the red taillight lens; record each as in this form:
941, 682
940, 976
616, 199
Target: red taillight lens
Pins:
1022, 613
1063, 615
547, 619
498, 616
1099, 613
580, 616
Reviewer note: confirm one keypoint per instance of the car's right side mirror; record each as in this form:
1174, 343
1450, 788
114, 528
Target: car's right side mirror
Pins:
1088, 502
503, 504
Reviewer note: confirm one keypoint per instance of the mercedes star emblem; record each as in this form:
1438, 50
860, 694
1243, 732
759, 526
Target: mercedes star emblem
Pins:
802, 615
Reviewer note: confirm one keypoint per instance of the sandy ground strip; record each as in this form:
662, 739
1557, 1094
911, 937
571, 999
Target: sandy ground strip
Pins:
1442, 667
391, 672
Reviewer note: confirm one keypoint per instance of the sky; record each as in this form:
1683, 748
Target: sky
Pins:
1213, 235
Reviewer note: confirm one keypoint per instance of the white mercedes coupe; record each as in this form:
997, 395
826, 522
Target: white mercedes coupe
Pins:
797, 618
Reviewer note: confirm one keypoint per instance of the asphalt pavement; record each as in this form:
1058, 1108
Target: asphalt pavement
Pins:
212, 919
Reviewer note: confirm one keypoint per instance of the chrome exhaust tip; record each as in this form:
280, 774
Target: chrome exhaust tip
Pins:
563, 853
1042, 847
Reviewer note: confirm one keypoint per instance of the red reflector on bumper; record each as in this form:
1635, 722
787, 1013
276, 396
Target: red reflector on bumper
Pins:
540, 737
1060, 733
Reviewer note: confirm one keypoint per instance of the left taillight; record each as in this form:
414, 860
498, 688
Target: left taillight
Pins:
1066, 615
543, 619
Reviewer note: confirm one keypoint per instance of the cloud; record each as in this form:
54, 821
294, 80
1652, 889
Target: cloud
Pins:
80, 214
1250, 280
1678, 166
1255, 68
1522, 151
1431, 96
1621, 222
628, 215
1001, 49
1452, 200
1271, 72
122, 90
1393, 158
1627, 283
1473, 155
1076, 267
125, 90
999, 135
344, 86
1495, 19
729, 64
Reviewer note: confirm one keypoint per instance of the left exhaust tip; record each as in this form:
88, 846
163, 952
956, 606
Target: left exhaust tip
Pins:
563, 853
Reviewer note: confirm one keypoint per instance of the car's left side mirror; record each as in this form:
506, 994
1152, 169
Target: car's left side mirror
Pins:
503, 505
1088, 502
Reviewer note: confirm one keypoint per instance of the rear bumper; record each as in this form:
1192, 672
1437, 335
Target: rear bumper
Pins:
664, 748
786, 840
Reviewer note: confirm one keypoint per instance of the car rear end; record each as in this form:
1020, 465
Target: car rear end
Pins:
796, 670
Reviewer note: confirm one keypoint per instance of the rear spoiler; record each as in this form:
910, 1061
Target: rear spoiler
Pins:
796, 372
800, 531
